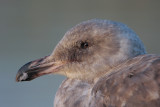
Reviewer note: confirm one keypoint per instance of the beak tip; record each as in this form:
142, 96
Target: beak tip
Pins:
17, 77
34, 69
17, 80
21, 76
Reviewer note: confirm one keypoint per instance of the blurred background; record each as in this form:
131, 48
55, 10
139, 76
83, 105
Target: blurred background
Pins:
30, 29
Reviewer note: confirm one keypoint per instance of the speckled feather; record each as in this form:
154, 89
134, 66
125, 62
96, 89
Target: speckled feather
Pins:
134, 83
112, 70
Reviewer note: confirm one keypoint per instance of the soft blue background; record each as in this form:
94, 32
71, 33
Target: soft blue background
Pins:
30, 29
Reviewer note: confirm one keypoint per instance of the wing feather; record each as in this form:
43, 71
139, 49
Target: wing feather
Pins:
135, 83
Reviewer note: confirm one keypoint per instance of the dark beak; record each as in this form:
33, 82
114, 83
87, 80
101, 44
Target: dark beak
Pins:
37, 68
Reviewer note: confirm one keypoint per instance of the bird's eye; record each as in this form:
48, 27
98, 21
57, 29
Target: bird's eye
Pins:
84, 45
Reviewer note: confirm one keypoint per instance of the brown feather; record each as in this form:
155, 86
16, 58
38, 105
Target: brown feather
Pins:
106, 65
134, 85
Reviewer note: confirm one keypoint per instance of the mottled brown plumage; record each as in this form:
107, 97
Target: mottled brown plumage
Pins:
106, 65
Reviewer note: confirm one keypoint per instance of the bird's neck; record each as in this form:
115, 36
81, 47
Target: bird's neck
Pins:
92, 77
88, 77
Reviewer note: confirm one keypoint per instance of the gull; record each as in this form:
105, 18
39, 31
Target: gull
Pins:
105, 64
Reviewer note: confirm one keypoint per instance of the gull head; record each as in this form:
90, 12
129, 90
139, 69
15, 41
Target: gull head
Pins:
87, 51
